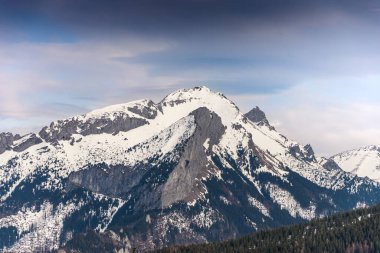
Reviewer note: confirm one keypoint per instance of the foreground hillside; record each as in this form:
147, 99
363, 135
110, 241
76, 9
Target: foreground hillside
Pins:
355, 231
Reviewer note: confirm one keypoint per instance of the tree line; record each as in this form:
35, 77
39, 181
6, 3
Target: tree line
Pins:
356, 231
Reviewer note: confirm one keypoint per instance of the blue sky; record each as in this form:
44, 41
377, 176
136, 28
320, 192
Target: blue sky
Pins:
312, 66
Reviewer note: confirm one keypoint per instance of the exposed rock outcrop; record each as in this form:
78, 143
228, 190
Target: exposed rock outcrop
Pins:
184, 182
17, 143
257, 116
26, 141
149, 111
305, 153
63, 130
6, 141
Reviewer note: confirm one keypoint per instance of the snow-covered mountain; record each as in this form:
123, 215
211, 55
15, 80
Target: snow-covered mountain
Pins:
364, 162
192, 168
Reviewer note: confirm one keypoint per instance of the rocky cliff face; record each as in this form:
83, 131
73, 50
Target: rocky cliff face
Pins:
17, 143
110, 123
257, 116
189, 169
6, 141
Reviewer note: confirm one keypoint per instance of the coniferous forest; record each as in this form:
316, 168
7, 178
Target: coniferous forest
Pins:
357, 231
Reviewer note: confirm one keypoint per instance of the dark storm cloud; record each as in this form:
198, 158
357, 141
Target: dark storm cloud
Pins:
166, 17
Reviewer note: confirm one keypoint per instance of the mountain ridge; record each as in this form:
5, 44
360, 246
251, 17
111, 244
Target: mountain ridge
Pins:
189, 169
364, 161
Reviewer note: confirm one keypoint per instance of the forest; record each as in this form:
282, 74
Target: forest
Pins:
356, 231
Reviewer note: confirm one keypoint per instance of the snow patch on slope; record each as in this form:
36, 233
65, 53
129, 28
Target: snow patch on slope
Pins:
255, 203
286, 201
42, 227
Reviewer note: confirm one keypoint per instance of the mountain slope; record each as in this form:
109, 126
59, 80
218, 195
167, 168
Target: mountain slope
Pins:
355, 231
190, 169
364, 162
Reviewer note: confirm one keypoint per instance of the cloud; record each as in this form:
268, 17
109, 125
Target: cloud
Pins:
332, 130
308, 64
33, 77
327, 115
166, 18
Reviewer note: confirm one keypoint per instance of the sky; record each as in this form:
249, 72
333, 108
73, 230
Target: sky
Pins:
312, 66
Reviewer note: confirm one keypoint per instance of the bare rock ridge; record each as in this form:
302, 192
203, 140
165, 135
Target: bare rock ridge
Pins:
26, 142
305, 153
6, 141
184, 181
149, 111
17, 143
83, 125
63, 130
120, 119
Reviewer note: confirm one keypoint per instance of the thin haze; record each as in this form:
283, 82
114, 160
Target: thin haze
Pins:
312, 66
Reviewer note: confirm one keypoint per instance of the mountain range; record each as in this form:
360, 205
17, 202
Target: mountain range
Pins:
190, 169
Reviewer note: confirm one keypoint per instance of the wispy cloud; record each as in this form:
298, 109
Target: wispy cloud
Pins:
309, 64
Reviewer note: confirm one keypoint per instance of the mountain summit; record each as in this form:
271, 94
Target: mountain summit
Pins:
257, 116
189, 169
364, 162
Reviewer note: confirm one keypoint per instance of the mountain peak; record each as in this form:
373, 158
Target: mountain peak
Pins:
178, 171
371, 147
364, 161
258, 116
195, 92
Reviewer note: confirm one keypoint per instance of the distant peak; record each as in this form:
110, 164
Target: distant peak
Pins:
363, 162
368, 148
364, 148
371, 147
258, 116
353, 152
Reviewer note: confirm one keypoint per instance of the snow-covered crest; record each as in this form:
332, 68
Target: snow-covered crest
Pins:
364, 162
109, 146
